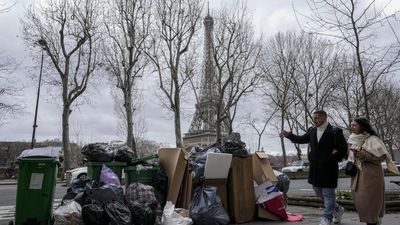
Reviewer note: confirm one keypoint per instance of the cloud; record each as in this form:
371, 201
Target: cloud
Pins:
98, 122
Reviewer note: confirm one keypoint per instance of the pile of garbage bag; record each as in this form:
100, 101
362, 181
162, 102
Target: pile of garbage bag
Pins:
100, 152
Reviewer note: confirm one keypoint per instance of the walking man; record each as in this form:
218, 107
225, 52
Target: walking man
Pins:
327, 147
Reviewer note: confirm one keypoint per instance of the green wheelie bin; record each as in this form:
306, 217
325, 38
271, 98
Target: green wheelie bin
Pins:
139, 171
35, 188
140, 174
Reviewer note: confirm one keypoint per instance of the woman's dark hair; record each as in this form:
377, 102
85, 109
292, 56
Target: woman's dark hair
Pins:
365, 125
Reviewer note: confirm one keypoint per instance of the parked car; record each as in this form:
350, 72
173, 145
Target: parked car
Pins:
70, 175
296, 166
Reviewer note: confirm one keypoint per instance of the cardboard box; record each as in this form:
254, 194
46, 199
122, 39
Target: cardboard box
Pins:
216, 175
262, 170
174, 161
241, 200
217, 165
185, 195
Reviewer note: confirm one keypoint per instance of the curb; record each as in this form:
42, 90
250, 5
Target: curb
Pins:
312, 201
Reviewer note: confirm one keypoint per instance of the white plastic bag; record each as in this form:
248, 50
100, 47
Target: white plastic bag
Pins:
266, 191
170, 217
68, 214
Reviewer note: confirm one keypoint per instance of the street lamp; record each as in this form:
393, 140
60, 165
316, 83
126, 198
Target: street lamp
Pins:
43, 44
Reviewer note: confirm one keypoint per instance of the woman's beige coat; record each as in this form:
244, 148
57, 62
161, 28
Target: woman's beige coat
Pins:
368, 189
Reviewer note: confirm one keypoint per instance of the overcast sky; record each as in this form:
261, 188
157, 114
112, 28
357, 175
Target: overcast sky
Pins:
98, 122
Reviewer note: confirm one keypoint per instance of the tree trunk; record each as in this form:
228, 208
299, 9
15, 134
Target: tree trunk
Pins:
65, 138
218, 123
177, 117
130, 137
259, 142
282, 139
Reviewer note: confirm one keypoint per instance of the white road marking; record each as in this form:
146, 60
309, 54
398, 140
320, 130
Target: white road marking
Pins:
7, 212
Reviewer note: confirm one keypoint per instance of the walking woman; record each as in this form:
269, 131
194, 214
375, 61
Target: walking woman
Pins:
367, 151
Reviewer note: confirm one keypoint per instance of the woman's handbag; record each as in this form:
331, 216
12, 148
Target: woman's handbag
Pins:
350, 169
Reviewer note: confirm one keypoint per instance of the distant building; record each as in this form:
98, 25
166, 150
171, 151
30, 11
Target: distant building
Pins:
9, 151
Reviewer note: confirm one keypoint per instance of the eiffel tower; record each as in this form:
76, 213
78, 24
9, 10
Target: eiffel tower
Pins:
202, 130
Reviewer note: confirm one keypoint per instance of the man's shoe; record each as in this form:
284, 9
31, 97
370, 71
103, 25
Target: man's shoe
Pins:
325, 221
337, 214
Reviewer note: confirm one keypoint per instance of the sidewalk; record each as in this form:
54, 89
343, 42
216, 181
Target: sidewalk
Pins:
312, 216
14, 182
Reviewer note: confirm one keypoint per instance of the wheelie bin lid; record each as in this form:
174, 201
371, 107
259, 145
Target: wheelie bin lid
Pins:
45, 152
141, 160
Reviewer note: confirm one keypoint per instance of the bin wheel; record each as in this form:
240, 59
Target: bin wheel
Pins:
11, 223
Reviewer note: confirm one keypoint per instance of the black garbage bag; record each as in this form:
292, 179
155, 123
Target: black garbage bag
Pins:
206, 207
197, 160
80, 198
143, 213
68, 197
78, 185
143, 203
119, 213
103, 194
124, 154
160, 183
118, 190
98, 152
94, 214
236, 148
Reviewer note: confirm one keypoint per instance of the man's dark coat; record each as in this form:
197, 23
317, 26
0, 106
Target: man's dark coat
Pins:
323, 171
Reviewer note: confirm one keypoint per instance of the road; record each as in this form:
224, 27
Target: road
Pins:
298, 187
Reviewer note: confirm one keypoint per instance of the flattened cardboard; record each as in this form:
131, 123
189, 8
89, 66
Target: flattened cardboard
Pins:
262, 170
241, 200
173, 160
217, 165
185, 195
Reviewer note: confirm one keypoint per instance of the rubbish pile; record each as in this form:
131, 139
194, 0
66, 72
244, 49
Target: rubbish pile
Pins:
220, 184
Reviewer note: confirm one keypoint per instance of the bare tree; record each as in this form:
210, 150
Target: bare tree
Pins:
315, 74
127, 24
177, 22
237, 52
68, 29
9, 89
385, 107
279, 67
314, 81
4, 7
259, 126
139, 121
8, 86
356, 24
347, 97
